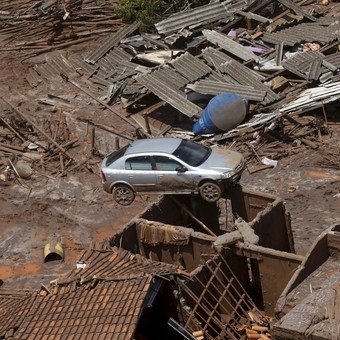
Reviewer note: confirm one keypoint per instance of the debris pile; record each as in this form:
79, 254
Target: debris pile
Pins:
284, 136
281, 57
44, 25
257, 328
28, 148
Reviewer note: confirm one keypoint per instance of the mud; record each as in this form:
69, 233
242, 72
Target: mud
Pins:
76, 210
308, 189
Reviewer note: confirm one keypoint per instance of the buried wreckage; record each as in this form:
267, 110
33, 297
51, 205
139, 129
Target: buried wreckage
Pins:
189, 275
281, 57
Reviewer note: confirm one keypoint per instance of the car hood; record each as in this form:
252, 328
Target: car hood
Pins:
222, 160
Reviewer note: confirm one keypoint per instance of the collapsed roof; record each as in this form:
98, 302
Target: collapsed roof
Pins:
186, 56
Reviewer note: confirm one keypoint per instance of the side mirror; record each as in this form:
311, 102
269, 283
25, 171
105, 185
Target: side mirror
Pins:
181, 168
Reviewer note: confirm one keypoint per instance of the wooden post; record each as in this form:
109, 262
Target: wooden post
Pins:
93, 136
147, 124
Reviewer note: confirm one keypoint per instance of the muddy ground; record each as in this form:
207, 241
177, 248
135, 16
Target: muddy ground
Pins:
75, 210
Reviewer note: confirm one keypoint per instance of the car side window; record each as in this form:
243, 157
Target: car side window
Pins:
138, 163
163, 163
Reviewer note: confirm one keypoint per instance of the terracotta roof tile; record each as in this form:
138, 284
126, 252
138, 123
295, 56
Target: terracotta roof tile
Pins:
105, 304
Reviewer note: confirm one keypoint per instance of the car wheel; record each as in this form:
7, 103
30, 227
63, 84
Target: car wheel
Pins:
210, 191
123, 194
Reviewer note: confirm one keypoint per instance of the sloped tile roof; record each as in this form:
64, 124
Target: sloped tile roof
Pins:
116, 264
104, 300
12, 308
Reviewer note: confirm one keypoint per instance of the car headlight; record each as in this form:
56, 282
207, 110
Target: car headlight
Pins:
228, 174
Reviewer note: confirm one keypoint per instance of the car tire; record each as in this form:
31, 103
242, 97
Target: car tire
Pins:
210, 191
123, 194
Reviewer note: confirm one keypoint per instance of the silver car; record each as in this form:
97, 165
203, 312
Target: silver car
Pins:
169, 166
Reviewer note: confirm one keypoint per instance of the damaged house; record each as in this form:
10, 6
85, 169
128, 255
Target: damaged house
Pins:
170, 276
166, 279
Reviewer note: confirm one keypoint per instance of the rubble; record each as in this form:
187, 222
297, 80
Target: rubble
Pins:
43, 26
209, 62
280, 56
215, 68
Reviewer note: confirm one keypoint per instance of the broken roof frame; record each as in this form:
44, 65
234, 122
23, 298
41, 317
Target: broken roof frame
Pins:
134, 79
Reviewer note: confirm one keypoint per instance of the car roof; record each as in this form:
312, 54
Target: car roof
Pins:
166, 144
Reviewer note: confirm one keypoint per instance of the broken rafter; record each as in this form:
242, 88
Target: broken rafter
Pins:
42, 25
58, 146
100, 102
193, 217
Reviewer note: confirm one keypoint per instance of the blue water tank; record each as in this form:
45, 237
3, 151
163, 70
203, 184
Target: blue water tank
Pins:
224, 112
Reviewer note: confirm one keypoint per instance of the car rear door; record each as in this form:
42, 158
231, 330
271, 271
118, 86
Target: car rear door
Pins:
139, 173
169, 178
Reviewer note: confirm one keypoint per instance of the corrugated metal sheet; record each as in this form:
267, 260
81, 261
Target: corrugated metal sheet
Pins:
200, 15
329, 66
214, 88
313, 97
256, 17
301, 62
55, 67
336, 78
307, 32
118, 56
244, 76
314, 70
133, 89
170, 77
214, 57
110, 67
190, 67
111, 41
287, 20
224, 78
229, 45
175, 98
333, 59
297, 9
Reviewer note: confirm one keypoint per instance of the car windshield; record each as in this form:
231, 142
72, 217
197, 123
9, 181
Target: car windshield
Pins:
192, 153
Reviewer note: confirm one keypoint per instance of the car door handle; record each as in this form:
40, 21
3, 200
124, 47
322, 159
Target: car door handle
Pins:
160, 175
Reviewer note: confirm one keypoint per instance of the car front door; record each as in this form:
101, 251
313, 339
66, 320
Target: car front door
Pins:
139, 173
171, 175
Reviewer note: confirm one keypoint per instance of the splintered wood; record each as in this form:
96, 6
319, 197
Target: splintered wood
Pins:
27, 147
37, 27
256, 328
283, 137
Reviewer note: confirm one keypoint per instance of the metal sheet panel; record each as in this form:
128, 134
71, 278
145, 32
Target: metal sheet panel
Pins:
111, 41
229, 45
214, 57
301, 62
297, 9
196, 16
244, 76
214, 88
306, 32
190, 67
314, 70
333, 59
174, 97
